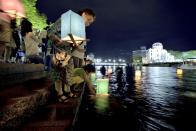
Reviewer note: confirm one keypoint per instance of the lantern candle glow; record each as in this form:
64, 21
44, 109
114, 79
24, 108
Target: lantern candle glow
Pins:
102, 86
179, 71
72, 27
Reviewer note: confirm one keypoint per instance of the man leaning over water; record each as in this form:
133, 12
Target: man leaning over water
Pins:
62, 70
78, 54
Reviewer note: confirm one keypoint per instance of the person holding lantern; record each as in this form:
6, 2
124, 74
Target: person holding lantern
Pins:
79, 53
63, 72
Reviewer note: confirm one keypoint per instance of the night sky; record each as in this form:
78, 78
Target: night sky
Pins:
124, 25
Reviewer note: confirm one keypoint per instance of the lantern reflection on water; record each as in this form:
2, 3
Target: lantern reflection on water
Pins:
72, 27
102, 103
138, 73
102, 86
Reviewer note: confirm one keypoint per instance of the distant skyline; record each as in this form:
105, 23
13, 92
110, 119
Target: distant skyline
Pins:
124, 25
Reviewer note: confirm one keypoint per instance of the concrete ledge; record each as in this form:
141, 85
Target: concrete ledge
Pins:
11, 74
7, 69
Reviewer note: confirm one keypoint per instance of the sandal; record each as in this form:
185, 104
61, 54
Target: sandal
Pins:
62, 98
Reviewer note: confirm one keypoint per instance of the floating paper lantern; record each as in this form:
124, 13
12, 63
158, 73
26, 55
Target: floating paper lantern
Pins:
138, 73
179, 71
102, 86
72, 28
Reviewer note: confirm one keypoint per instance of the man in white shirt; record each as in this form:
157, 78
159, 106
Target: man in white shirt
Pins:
64, 73
78, 54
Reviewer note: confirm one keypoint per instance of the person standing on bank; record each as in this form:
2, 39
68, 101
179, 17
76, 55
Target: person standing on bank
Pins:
78, 54
32, 43
103, 71
63, 75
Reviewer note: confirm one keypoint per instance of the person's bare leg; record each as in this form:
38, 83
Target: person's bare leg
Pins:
58, 88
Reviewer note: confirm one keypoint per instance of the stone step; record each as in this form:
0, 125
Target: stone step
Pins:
55, 116
11, 74
21, 101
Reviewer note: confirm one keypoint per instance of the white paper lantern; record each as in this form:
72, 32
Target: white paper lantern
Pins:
72, 27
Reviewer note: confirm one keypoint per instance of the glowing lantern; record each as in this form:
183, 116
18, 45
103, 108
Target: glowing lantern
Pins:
102, 86
138, 73
13, 8
72, 28
179, 71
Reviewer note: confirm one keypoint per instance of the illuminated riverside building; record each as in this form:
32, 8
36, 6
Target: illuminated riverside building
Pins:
158, 54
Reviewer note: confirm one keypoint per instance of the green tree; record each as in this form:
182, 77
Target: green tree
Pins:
176, 54
38, 19
189, 54
183, 55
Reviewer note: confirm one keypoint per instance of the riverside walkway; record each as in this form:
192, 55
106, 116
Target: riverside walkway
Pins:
28, 102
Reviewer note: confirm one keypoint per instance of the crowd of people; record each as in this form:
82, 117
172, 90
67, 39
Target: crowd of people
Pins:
65, 61
68, 60
122, 75
22, 44
19, 44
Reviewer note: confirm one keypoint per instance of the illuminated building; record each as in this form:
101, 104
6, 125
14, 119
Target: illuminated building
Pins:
158, 54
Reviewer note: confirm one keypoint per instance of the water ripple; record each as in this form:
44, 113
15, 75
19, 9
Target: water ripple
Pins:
161, 94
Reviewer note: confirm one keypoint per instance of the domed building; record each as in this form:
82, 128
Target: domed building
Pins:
158, 54
157, 45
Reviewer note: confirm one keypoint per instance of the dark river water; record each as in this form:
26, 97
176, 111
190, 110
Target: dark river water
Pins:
158, 100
